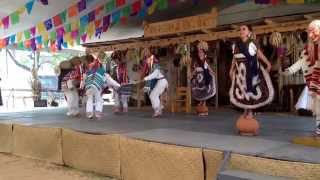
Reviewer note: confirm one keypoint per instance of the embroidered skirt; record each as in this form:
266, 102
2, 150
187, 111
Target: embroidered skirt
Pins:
202, 91
240, 97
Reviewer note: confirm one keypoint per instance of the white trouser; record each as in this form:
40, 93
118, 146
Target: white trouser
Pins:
155, 94
94, 98
304, 99
72, 98
121, 100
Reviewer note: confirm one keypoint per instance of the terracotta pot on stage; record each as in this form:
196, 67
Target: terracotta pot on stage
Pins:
247, 126
202, 110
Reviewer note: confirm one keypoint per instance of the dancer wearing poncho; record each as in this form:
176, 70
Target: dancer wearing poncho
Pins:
251, 86
70, 83
203, 80
156, 83
94, 82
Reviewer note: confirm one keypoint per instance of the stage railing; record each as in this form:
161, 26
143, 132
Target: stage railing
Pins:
10, 95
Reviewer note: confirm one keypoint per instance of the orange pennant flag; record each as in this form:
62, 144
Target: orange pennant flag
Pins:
73, 11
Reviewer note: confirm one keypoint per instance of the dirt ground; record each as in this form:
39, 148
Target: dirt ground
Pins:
17, 168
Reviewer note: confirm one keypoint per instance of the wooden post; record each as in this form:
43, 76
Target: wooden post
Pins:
217, 50
139, 95
172, 80
189, 85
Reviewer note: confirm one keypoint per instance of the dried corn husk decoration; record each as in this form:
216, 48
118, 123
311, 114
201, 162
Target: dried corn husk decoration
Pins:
184, 51
203, 46
265, 40
133, 55
276, 39
145, 53
101, 56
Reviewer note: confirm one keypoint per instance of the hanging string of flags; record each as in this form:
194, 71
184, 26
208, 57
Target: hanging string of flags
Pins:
69, 27
275, 2
14, 17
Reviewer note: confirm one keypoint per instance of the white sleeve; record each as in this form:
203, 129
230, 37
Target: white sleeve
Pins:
296, 66
252, 49
111, 82
155, 74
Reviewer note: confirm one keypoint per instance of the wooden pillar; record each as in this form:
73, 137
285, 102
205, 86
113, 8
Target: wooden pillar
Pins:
217, 50
189, 85
139, 96
172, 85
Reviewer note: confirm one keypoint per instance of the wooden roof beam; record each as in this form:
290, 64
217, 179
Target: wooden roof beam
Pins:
236, 27
269, 21
206, 31
308, 16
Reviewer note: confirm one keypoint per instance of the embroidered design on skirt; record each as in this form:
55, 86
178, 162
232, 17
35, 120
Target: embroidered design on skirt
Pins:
240, 97
200, 91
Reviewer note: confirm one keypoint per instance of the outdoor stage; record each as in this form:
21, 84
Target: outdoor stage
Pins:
214, 134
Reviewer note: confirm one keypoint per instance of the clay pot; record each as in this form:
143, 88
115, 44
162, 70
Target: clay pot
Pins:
247, 126
202, 110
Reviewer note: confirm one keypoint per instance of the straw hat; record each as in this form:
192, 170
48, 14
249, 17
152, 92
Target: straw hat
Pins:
65, 65
75, 60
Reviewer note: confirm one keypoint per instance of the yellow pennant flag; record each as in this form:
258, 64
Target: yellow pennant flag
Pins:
19, 36
152, 8
21, 10
67, 36
45, 36
71, 42
91, 29
41, 28
295, 1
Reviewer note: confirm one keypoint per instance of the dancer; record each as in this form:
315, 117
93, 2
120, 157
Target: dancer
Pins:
203, 80
311, 66
94, 81
70, 84
121, 76
156, 83
302, 64
251, 86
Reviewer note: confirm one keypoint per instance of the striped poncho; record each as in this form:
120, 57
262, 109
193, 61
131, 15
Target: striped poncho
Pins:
95, 78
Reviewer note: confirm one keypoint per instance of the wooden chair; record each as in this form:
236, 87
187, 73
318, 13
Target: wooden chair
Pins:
181, 100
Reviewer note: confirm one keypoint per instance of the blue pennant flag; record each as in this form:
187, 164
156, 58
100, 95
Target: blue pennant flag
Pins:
29, 6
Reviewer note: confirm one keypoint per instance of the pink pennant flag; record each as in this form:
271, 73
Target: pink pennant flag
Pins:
5, 22
74, 34
33, 31
84, 37
60, 31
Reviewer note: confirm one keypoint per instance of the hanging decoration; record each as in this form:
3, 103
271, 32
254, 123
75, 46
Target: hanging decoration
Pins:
184, 50
14, 17
276, 2
276, 39
67, 28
